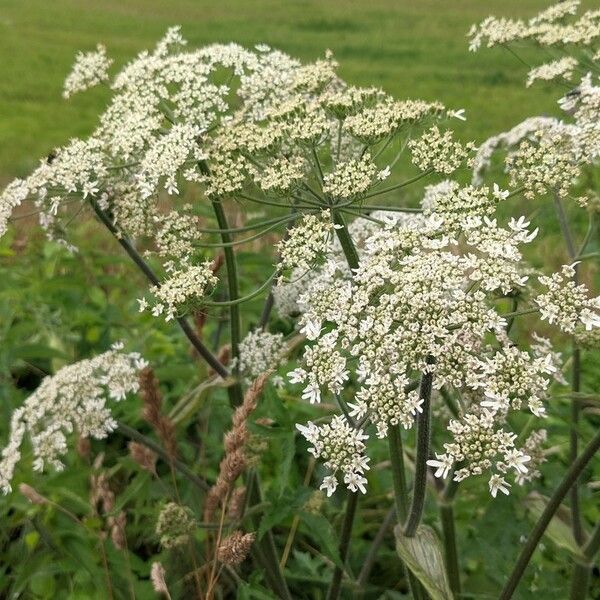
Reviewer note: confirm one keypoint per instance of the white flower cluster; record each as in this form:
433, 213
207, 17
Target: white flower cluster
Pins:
341, 447
175, 234
552, 27
550, 152
90, 69
260, 351
481, 444
547, 163
562, 67
508, 139
74, 399
424, 288
437, 151
182, 290
350, 179
306, 242
566, 303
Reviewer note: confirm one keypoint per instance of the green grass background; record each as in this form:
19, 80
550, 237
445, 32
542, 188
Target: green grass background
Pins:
411, 48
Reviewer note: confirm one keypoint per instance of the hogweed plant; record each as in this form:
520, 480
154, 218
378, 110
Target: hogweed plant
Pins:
404, 283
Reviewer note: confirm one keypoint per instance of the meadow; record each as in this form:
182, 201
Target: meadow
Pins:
410, 49
59, 307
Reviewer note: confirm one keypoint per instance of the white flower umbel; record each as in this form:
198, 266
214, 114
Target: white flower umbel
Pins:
566, 303
306, 242
90, 69
563, 67
182, 290
342, 449
439, 152
260, 351
74, 399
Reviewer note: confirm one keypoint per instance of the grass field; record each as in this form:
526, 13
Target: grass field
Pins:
411, 49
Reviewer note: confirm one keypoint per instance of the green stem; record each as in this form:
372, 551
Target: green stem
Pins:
336, 581
401, 492
571, 476
346, 242
243, 299
450, 549
423, 437
400, 185
277, 220
582, 570
398, 473
236, 395
202, 350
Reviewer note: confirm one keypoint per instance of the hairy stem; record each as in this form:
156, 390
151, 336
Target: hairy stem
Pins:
336, 581
450, 549
232, 285
398, 474
346, 242
401, 493
423, 437
553, 505
202, 350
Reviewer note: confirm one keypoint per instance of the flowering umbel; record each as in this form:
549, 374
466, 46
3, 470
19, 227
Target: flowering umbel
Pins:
75, 398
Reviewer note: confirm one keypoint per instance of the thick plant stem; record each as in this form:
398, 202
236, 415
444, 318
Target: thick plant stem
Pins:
335, 587
346, 242
401, 493
450, 552
449, 532
580, 580
398, 474
232, 285
582, 571
423, 436
202, 350
336, 581
553, 505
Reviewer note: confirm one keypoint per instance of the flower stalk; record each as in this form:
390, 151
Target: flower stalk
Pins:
553, 505
423, 439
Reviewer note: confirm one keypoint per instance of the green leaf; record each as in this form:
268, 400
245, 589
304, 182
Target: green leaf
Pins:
322, 532
282, 508
560, 528
422, 554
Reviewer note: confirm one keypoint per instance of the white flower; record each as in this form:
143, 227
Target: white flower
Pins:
329, 485
498, 483
75, 398
457, 114
355, 482
442, 463
516, 460
312, 393
499, 193
311, 329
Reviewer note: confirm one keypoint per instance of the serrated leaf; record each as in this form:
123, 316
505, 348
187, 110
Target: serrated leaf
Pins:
560, 528
422, 554
322, 532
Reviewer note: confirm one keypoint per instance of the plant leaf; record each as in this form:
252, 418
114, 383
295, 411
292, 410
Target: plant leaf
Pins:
422, 554
560, 528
